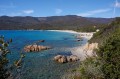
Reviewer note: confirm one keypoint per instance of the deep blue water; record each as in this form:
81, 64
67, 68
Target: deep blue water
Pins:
40, 65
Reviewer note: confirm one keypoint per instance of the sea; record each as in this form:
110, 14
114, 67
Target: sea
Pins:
40, 65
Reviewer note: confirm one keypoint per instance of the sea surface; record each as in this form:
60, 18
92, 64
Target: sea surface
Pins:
40, 65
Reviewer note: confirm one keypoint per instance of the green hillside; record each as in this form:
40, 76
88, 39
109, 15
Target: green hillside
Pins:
106, 31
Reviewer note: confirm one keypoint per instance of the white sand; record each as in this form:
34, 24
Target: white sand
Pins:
69, 31
87, 35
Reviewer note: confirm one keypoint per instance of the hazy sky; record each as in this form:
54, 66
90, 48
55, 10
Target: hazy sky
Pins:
87, 8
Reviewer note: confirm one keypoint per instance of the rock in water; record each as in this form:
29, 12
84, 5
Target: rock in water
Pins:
74, 58
35, 48
57, 57
65, 59
60, 59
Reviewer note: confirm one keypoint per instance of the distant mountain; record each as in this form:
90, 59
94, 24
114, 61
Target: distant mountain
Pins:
100, 20
71, 22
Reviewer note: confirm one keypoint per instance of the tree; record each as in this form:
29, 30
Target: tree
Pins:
4, 61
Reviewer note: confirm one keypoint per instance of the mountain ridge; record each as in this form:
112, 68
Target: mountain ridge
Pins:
69, 22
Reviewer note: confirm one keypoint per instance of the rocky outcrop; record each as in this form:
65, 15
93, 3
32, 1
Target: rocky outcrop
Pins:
91, 46
65, 59
88, 49
35, 48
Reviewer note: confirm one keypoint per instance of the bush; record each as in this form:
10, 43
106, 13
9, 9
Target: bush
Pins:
91, 69
110, 56
105, 32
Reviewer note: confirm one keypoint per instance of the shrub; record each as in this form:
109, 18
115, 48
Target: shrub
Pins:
110, 56
91, 69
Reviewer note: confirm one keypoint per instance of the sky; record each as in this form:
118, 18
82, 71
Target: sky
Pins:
43, 8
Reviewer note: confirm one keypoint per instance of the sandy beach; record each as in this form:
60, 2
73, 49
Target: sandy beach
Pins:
69, 31
87, 35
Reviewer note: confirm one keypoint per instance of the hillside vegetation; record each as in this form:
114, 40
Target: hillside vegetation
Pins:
106, 65
107, 62
69, 22
106, 31
109, 54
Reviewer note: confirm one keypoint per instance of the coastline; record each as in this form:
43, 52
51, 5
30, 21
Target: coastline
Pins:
86, 50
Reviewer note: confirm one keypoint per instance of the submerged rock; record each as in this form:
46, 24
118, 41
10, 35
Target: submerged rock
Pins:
65, 59
78, 40
41, 41
35, 48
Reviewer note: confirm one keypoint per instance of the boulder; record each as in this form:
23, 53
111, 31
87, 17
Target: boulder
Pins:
60, 59
35, 48
57, 57
65, 59
32, 48
74, 58
68, 58
27, 48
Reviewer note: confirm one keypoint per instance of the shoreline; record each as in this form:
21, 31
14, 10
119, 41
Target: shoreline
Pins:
87, 35
85, 50
68, 31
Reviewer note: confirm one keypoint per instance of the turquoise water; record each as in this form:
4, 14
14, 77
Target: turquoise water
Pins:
40, 65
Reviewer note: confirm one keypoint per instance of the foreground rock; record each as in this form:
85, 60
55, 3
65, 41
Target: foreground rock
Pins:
65, 59
35, 48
